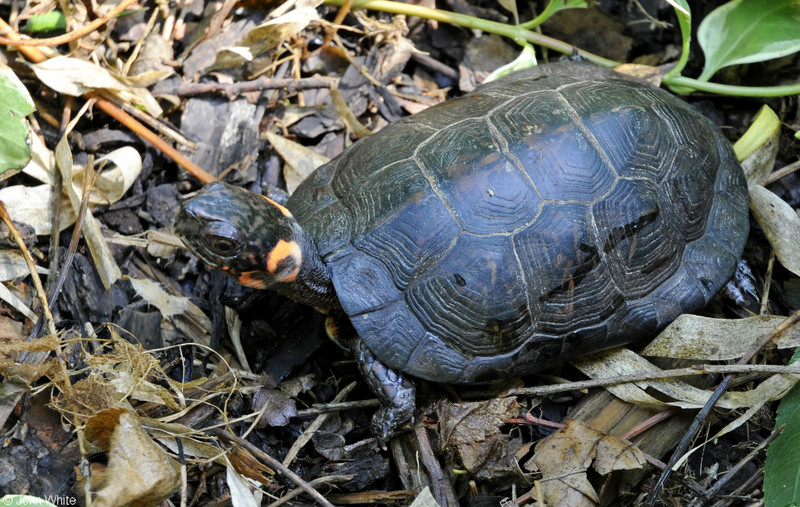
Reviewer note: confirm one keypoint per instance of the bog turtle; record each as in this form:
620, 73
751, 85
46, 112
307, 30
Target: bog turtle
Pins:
555, 212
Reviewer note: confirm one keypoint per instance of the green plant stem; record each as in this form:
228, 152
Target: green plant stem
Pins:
740, 91
513, 32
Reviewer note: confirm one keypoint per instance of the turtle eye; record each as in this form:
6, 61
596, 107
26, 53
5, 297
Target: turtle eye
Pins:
222, 246
223, 239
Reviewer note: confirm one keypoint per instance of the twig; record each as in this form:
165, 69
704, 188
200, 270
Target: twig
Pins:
272, 462
234, 89
706, 410
73, 242
35, 55
314, 426
701, 369
316, 482
321, 408
511, 31
650, 422
783, 171
738, 466
67, 37
26, 254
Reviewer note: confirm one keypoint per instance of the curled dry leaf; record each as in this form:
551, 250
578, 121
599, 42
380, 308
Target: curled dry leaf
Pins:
564, 457
31, 205
75, 77
139, 471
247, 465
780, 224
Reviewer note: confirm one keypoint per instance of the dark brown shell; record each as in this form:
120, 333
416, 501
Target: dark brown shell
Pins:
556, 212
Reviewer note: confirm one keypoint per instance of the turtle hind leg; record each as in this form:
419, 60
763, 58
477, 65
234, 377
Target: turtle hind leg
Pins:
393, 389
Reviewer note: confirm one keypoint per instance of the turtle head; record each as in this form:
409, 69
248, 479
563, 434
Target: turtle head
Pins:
251, 238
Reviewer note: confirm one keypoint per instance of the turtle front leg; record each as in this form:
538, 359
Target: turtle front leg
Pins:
395, 392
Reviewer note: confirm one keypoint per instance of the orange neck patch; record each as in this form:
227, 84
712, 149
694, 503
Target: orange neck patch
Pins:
285, 254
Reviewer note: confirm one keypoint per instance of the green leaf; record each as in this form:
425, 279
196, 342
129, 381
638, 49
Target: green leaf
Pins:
15, 105
761, 130
48, 22
553, 7
747, 31
782, 467
526, 58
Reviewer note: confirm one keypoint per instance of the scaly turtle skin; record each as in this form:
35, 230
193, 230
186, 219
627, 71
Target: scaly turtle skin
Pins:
556, 212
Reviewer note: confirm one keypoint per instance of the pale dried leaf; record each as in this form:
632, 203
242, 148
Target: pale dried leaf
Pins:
708, 339
154, 294
75, 77
139, 471
15, 302
12, 265
299, 161
104, 262
136, 388
425, 499
622, 361
166, 432
614, 453
347, 116
242, 494
780, 224
31, 205
162, 244
265, 37
609, 364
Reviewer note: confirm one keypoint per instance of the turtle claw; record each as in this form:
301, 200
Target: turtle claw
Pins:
395, 392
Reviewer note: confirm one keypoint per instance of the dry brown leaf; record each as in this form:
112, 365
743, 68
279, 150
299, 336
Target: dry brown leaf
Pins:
472, 430
265, 37
299, 160
247, 465
564, 457
278, 407
139, 471
242, 493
